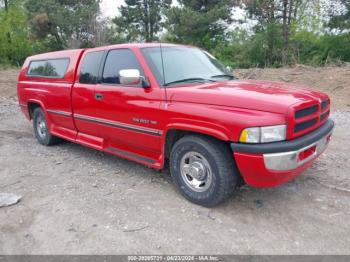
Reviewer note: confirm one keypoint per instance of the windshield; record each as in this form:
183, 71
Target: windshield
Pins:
184, 65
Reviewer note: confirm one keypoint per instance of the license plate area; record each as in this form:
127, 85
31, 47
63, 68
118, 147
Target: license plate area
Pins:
314, 150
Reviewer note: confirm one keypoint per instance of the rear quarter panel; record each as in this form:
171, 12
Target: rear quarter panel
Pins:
52, 94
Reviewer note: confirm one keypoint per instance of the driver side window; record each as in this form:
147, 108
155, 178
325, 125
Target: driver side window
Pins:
117, 60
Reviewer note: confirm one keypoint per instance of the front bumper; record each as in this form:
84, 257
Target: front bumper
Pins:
271, 164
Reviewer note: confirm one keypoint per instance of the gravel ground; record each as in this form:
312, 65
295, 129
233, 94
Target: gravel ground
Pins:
80, 201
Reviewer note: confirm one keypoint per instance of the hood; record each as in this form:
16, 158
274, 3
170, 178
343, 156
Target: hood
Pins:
250, 94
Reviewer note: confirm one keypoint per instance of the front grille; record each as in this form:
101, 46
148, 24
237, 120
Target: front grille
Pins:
324, 116
324, 104
310, 117
306, 111
304, 125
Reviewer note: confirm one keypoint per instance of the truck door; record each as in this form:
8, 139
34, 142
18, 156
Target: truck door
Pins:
128, 116
83, 99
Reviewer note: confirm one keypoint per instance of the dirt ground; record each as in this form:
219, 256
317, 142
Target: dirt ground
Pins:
8, 80
79, 201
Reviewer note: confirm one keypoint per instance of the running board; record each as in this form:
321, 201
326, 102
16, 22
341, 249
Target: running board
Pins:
131, 156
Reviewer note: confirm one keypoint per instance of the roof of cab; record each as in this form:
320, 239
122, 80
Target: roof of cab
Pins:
77, 52
138, 45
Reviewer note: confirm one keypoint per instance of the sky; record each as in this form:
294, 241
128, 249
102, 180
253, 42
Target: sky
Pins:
109, 8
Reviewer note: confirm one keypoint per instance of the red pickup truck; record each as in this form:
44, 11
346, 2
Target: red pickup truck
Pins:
176, 104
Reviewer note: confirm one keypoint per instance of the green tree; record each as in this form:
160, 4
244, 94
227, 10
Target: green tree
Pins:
340, 20
199, 22
275, 19
141, 20
14, 43
63, 23
6, 6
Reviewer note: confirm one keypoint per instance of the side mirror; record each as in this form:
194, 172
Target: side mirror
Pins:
130, 77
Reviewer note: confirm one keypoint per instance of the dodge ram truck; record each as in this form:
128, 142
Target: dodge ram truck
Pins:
174, 105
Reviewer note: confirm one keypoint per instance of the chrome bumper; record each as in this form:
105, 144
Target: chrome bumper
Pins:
290, 160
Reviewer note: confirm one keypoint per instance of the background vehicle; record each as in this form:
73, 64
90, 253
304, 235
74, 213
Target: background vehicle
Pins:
176, 104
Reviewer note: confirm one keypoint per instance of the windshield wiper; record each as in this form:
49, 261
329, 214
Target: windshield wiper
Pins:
193, 79
223, 75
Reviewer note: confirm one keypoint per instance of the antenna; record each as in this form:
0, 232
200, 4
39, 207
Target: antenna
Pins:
161, 55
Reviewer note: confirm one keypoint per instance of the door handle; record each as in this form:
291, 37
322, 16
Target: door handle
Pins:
98, 96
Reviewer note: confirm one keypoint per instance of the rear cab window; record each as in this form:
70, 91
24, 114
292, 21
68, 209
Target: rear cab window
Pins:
50, 68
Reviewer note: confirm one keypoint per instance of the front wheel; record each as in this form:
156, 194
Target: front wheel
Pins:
41, 129
203, 170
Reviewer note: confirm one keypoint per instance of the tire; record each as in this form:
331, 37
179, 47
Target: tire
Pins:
203, 170
41, 130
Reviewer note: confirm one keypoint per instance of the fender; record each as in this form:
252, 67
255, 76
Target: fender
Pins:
35, 101
204, 128
194, 126
43, 107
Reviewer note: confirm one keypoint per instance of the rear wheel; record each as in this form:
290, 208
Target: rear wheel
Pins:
41, 130
203, 170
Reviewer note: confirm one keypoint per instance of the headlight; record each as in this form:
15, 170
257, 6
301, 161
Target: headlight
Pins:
263, 134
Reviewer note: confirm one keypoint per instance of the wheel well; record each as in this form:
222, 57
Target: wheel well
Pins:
174, 135
171, 137
31, 107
